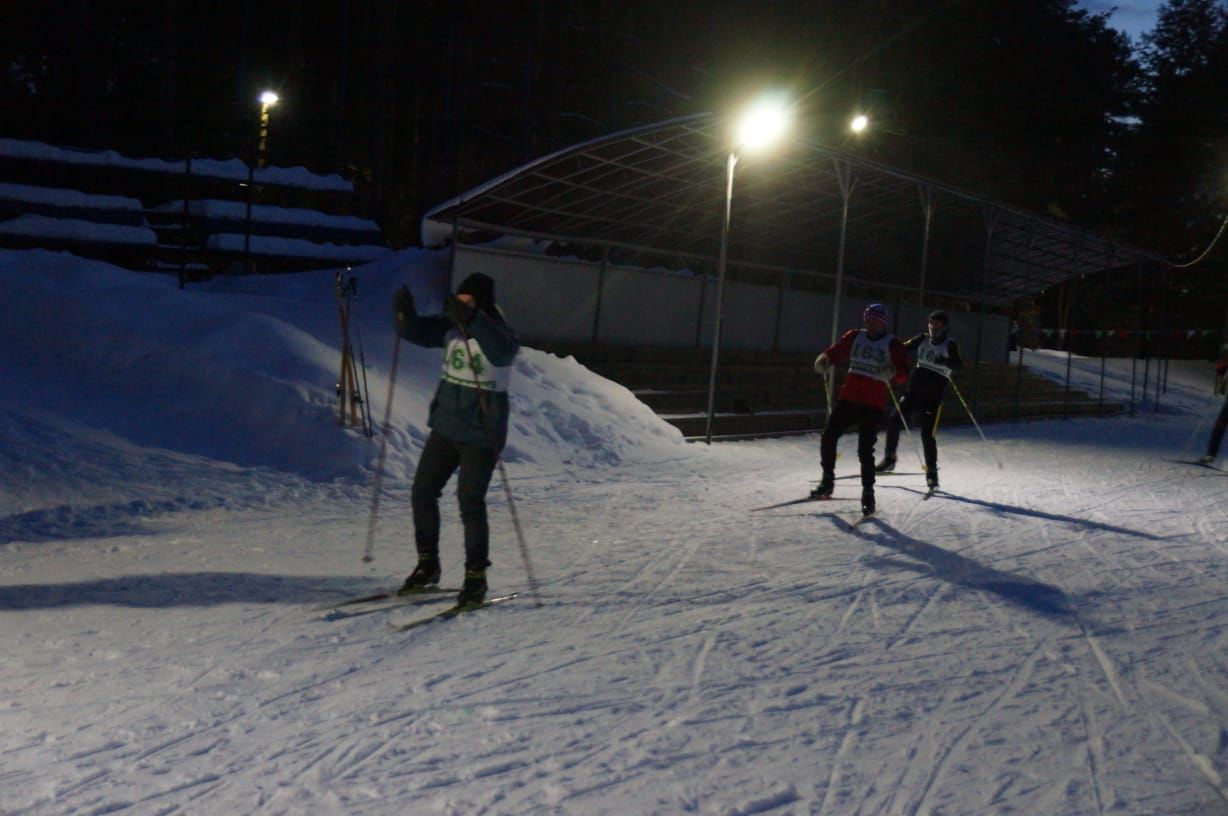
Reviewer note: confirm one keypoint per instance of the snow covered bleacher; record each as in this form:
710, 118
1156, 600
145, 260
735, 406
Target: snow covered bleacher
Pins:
195, 218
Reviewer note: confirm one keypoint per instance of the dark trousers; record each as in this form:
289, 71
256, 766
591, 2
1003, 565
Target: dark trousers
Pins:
844, 416
440, 459
1217, 431
918, 414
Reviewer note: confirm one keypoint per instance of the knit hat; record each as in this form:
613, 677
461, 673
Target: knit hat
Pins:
939, 316
482, 288
875, 312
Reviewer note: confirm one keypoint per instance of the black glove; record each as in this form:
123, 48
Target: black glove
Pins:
403, 303
458, 310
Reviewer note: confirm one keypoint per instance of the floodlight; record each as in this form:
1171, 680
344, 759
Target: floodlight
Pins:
762, 124
268, 99
860, 122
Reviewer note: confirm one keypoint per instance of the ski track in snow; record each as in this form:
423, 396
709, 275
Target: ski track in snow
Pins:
668, 676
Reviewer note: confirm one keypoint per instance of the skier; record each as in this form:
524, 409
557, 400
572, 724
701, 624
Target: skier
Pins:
468, 421
875, 358
937, 357
1221, 422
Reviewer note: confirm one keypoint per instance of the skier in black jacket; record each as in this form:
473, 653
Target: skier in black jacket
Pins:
937, 356
468, 421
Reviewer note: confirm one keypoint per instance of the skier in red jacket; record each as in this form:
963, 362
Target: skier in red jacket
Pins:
876, 360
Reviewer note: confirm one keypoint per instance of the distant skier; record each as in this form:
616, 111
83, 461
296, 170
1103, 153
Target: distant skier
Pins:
468, 421
1221, 422
937, 356
875, 358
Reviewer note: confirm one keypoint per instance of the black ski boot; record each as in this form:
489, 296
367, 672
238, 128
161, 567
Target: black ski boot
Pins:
885, 466
931, 478
826, 486
424, 576
867, 501
473, 591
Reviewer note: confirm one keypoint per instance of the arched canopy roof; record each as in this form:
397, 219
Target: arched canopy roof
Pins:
660, 189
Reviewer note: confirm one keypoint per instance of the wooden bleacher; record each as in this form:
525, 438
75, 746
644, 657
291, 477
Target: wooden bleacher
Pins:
190, 218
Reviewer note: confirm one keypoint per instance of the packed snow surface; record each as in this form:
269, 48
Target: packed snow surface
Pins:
1046, 635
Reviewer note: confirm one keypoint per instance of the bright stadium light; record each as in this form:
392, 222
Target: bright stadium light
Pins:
860, 123
268, 99
762, 124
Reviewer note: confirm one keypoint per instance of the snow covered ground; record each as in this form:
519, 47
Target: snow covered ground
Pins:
1046, 636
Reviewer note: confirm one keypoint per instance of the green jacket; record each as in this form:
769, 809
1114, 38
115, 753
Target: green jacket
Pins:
470, 406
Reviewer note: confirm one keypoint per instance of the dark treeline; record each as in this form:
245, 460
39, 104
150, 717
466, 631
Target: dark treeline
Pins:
1033, 102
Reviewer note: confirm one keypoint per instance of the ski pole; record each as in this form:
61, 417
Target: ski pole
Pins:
899, 413
368, 554
826, 398
974, 422
507, 487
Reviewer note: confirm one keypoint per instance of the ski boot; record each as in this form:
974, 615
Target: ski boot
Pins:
885, 466
931, 478
867, 501
473, 591
424, 576
1206, 460
825, 488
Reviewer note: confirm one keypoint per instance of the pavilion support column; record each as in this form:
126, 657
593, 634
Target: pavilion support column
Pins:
1139, 334
1073, 296
785, 279
452, 254
601, 270
1102, 336
927, 214
1167, 328
844, 175
1019, 344
699, 317
1145, 303
991, 222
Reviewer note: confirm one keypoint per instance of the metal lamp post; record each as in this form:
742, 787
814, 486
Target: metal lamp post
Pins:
267, 100
760, 126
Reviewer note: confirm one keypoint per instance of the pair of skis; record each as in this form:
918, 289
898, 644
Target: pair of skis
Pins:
1198, 463
394, 599
807, 499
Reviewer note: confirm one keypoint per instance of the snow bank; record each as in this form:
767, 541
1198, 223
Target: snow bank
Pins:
244, 369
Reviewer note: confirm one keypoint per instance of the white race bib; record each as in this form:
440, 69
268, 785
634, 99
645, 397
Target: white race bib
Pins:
465, 365
929, 351
872, 358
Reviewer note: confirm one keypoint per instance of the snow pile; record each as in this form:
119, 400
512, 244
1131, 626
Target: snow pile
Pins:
244, 369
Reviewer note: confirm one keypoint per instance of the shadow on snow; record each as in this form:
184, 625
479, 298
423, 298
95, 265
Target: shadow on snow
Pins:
67, 522
1011, 509
956, 569
182, 589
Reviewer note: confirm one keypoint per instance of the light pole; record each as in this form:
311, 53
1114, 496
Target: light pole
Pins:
758, 128
846, 179
267, 100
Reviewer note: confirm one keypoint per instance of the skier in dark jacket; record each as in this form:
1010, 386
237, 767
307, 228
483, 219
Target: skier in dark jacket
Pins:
875, 359
1221, 422
937, 356
468, 421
